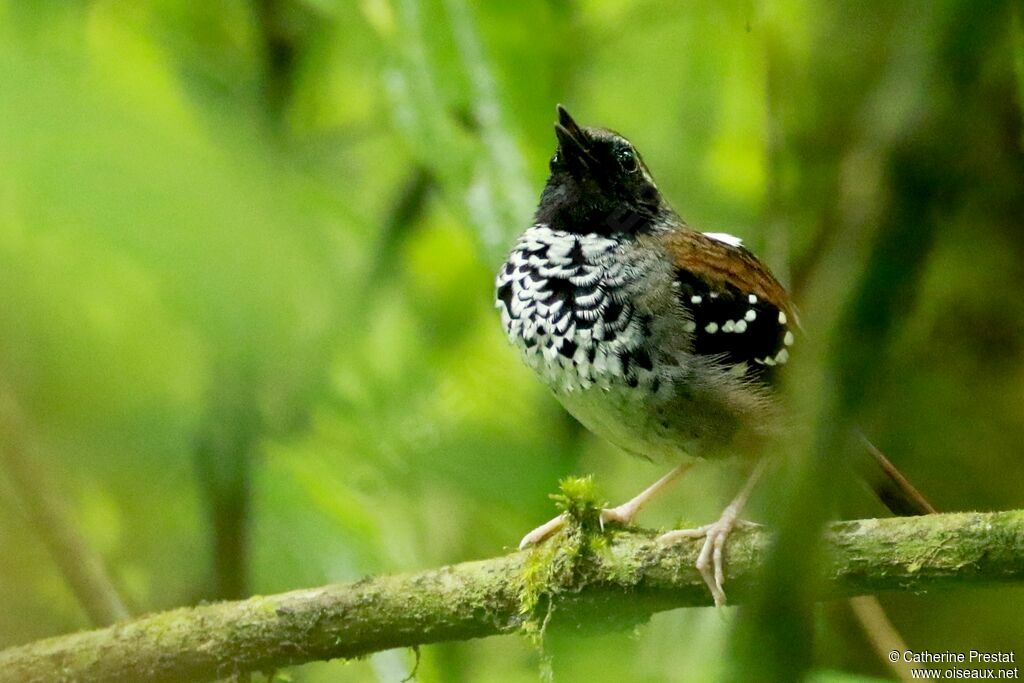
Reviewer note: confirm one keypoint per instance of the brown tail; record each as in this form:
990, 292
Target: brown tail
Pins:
903, 500
889, 484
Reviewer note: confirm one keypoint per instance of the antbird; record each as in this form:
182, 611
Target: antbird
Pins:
659, 338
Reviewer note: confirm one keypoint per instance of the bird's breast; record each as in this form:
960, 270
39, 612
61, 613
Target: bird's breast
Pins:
600, 321
568, 303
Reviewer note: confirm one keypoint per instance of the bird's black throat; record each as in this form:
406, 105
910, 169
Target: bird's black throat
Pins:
567, 205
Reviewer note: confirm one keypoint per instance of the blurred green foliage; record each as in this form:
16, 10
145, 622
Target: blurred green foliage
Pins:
246, 255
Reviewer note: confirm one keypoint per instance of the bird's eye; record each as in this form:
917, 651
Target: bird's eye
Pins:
627, 159
556, 161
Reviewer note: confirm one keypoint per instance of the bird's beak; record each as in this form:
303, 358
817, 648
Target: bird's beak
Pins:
573, 144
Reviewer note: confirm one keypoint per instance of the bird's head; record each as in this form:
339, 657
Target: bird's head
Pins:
598, 183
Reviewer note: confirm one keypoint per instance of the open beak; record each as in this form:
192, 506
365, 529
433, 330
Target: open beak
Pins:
573, 143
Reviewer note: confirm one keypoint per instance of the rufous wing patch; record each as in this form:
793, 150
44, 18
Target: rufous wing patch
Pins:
720, 263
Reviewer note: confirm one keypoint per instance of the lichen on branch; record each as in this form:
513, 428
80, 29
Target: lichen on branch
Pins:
614, 578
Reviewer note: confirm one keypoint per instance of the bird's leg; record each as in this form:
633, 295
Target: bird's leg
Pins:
623, 514
710, 560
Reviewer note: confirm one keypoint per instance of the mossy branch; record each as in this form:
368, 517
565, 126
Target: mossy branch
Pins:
620, 581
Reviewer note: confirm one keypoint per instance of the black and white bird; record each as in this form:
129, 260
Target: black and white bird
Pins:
659, 338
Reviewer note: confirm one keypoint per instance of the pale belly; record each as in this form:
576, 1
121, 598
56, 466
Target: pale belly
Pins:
638, 424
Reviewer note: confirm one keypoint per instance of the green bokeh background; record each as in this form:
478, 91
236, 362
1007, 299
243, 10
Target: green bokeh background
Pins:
247, 249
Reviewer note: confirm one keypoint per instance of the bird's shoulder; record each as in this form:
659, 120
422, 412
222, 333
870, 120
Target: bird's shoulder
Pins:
721, 261
737, 309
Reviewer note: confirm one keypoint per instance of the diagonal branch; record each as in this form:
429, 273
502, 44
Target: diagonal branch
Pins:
81, 566
622, 581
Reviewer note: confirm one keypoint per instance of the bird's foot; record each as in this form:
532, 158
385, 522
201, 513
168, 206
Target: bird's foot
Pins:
542, 532
622, 514
710, 562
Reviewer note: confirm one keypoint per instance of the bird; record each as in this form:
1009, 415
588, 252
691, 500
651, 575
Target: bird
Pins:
664, 340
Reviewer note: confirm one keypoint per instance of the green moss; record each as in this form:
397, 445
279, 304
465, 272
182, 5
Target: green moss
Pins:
578, 498
555, 565
549, 569
625, 569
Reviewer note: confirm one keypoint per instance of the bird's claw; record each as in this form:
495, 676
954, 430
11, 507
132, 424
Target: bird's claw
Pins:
622, 514
711, 559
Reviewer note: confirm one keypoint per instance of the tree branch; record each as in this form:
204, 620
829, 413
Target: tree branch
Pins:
616, 583
81, 566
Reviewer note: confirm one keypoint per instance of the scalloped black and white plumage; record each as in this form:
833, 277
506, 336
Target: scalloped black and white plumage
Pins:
661, 339
643, 331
